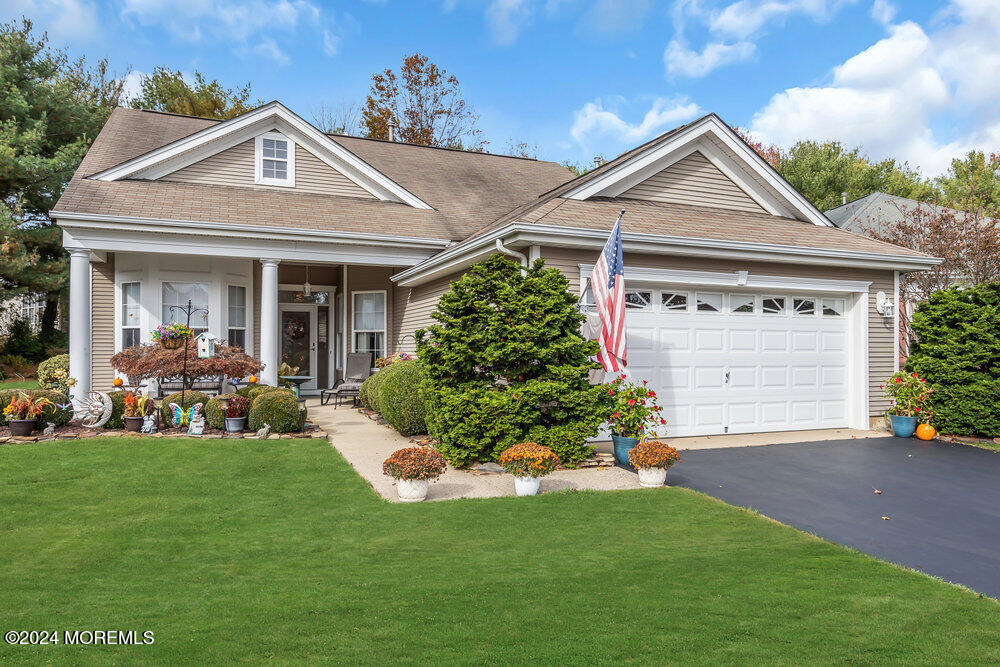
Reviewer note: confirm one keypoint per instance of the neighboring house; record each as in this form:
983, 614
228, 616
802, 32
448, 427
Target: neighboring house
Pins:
876, 214
750, 311
27, 307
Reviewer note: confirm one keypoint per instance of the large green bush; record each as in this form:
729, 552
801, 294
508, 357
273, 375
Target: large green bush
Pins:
53, 373
957, 350
279, 409
506, 364
190, 398
368, 393
400, 398
215, 416
117, 419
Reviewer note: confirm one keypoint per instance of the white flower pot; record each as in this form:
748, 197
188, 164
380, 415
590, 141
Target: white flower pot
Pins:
652, 477
526, 486
411, 490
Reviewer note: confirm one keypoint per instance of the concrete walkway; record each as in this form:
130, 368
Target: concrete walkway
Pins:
366, 444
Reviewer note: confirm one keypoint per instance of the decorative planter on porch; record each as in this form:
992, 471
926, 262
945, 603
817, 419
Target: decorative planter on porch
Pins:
622, 447
903, 427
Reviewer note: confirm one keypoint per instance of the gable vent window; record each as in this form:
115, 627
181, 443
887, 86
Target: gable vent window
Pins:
275, 160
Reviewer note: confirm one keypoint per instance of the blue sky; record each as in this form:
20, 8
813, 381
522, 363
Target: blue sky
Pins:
912, 79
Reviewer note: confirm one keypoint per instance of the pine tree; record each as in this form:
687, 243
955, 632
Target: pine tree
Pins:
506, 363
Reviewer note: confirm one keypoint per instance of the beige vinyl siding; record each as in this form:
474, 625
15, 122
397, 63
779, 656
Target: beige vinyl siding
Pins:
235, 166
695, 181
103, 320
414, 308
880, 340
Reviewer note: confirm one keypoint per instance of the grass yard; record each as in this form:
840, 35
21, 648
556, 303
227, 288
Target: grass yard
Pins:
19, 384
250, 550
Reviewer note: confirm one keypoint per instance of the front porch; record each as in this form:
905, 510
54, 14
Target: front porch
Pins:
309, 315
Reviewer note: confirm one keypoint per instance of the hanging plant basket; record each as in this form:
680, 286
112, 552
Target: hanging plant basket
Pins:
172, 343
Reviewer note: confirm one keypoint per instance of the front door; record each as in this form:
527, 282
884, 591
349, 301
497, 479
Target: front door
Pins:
298, 340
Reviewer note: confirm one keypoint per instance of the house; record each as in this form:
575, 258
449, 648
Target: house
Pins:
749, 310
878, 211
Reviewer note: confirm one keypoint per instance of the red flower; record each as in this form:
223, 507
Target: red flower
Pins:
611, 392
621, 377
615, 415
645, 382
652, 394
663, 421
631, 401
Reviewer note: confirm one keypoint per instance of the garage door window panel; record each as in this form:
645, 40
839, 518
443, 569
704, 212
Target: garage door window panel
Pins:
674, 302
708, 302
742, 304
803, 306
773, 305
638, 300
833, 307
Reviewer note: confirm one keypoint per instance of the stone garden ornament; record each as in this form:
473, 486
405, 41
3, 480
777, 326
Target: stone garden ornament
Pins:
148, 424
95, 409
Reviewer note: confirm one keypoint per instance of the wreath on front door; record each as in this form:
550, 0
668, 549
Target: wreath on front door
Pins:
295, 329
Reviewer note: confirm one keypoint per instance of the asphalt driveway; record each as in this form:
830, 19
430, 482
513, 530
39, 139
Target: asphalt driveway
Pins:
942, 500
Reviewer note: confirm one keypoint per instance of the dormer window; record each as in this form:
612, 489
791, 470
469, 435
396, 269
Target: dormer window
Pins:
275, 160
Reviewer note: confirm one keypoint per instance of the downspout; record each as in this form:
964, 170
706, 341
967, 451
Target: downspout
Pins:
521, 257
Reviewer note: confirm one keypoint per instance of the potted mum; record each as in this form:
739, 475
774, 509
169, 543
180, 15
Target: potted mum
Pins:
172, 335
528, 463
413, 468
134, 412
236, 413
651, 459
22, 413
634, 415
909, 402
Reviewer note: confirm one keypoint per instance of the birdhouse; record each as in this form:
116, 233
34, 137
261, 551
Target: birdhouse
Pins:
206, 345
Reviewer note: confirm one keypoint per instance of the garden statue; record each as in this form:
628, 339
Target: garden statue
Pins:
148, 424
50, 429
264, 431
185, 417
95, 409
197, 425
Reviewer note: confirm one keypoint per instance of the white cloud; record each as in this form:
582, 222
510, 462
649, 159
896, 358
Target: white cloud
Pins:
883, 11
240, 22
593, 124
63, 20
270, 49
895, 97
744, 18
505, 17
616, 16
133, 84
680, 60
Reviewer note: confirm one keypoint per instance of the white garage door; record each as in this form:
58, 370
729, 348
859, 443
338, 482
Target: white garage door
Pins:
739, 361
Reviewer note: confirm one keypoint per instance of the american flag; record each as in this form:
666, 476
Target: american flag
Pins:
608, 284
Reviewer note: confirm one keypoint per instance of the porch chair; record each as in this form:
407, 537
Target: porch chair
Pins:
359, 368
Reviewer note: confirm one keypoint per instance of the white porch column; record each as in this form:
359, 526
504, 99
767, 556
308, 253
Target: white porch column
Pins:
269, 320
79, 320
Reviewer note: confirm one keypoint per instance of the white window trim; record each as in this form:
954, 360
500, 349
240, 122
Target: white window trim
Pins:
687, 301
385, 319
259, 178
120, 311
247, 307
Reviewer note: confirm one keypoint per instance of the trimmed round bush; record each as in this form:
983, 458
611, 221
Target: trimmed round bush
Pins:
190, 398
277, 408
53, 372
215, 416
53, 413
117, 419
261, 389
374, 384
399, 397
247, 388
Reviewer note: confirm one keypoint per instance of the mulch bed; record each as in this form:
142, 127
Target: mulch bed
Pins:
74, 430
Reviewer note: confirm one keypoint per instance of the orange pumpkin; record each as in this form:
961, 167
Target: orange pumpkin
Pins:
252, 379
925, 432
117, 382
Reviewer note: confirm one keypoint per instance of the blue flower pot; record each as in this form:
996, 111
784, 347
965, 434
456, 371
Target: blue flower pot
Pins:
622, 447
903, 427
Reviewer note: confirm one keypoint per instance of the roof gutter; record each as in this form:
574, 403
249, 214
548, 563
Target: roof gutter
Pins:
71, 220
519, 234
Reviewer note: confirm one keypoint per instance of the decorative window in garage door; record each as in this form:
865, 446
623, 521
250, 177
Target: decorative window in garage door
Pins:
674, 301
638, 299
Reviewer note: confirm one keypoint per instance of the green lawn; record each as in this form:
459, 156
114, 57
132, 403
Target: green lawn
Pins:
19, 384
253, 550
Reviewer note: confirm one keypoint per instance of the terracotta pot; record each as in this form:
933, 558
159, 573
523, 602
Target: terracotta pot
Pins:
133, 424
172, 343
22, 427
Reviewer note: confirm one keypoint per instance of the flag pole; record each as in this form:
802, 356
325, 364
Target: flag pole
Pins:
579, 302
